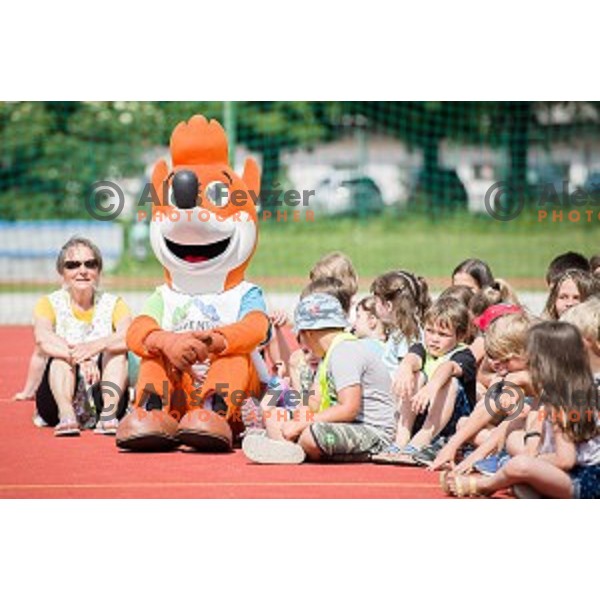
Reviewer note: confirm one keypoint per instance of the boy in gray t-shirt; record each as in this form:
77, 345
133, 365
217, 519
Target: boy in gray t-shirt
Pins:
356, 414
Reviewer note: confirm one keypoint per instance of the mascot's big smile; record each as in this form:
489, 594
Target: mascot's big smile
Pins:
196, 253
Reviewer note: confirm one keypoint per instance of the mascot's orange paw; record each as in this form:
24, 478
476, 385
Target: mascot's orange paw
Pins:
205, 431
147, 431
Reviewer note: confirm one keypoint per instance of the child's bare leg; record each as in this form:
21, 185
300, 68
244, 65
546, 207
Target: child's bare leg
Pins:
475, 428
407, 416
479, 438
406, 420
274, 418
515, 443
35, 372
544, 477
461, 423
439, 414
482, 436
309, 445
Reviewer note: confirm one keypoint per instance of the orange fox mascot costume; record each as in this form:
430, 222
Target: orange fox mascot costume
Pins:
197, 332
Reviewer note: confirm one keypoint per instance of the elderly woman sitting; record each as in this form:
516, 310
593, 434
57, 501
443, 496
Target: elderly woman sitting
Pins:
82, 332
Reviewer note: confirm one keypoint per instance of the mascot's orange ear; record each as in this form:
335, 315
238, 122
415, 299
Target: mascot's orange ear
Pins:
251, 176
160, 173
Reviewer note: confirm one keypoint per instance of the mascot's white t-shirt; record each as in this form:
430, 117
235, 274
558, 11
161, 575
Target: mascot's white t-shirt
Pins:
176, 311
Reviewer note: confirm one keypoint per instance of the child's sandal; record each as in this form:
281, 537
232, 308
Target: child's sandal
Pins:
444, 483
471, 490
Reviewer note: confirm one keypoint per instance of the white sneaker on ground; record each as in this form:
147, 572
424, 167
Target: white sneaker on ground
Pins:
264, 450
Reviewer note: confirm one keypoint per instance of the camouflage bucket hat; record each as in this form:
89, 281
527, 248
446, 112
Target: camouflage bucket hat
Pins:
319, 311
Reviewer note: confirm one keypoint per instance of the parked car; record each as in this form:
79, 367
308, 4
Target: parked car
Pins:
550, 179
440, 188
346, 193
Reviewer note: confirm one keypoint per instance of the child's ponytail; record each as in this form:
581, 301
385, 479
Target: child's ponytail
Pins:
499, 292
409, 296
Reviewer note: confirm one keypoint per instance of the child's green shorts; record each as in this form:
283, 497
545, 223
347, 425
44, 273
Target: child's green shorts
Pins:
347, 442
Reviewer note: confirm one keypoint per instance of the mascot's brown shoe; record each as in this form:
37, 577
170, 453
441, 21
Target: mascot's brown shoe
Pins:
147, 431
206, 431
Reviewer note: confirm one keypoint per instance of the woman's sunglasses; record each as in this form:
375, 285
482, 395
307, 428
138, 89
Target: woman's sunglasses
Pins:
75, 264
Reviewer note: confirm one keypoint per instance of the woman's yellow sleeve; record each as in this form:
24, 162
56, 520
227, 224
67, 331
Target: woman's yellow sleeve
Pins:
121, 310
43, 308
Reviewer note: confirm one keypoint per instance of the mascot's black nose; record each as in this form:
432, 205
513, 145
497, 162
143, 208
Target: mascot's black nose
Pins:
185, 189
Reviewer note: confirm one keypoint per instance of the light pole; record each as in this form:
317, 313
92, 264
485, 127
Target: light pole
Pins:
229, 119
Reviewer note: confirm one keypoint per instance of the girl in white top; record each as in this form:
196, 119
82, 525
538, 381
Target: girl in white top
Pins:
401, 300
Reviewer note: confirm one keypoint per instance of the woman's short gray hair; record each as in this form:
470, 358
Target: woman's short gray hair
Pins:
77, 241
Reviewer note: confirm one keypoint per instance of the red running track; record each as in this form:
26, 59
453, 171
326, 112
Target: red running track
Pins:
34, 464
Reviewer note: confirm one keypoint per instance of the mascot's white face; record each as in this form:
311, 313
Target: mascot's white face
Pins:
199, 250
204, 229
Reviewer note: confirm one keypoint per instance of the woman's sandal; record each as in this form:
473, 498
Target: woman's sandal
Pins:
108, 427
67, 428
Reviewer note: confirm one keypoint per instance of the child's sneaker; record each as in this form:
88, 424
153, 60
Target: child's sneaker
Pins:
427, 454
393, 455
266, 451
387, 455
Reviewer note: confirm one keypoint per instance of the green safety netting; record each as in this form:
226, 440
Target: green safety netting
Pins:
418, 185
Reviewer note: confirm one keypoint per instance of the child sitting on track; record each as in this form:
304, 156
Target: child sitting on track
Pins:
368, 327
561, 435
356, 413
436, 379
401, 300
505, 346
